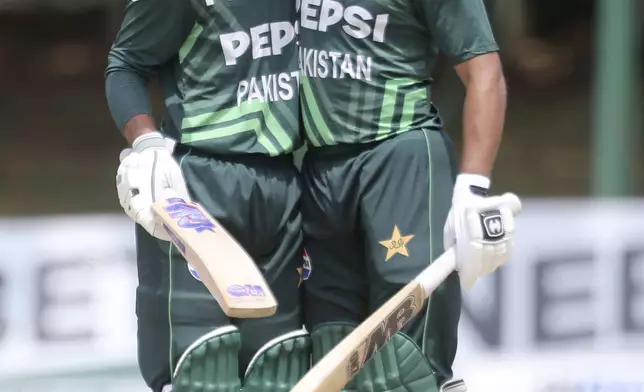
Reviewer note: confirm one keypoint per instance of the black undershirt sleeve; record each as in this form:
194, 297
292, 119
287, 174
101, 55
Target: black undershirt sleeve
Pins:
127, 96
151, 34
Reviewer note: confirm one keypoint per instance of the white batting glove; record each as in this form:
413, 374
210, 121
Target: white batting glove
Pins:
148, 173
481, 227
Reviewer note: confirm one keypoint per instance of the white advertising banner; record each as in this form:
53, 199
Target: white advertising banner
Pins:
67, 289
565, 315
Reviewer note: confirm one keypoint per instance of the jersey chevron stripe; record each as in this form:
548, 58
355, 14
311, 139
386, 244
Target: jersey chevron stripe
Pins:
223, 115
200, 49
409, 107
388, 108
235, 115
264, 140
250, 125
189, 43
247, 125
314, 110
276, 130
198, 68
313, 139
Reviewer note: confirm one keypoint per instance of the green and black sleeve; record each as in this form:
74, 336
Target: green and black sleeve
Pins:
149, 38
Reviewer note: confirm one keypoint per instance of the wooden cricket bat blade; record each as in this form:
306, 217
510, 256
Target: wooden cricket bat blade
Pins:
216, 259
346, 359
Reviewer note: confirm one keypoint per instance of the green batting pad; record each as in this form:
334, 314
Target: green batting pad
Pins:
279, 364
399, 366
210, 364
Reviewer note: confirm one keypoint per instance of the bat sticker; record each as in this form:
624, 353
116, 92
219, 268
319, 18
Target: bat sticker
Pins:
389, 326
188, 216
247, 290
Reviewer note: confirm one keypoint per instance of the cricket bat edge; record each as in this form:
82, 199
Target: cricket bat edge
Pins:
246, 313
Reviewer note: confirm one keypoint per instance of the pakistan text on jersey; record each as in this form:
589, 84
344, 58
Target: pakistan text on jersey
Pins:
316, 63
269, 88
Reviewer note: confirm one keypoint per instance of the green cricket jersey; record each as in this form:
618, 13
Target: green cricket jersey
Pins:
366, 64
228, 69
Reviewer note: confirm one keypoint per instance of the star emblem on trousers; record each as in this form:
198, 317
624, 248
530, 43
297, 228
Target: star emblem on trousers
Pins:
397, 244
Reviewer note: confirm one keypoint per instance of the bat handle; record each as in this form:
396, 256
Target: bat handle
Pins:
438, 271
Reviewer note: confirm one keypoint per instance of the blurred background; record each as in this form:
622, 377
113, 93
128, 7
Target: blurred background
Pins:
566, 315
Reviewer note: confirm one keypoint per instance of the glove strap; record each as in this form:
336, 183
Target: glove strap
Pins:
475, 183
148, 140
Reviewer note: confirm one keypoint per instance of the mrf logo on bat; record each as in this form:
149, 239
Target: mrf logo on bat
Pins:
188, 216
387, 328
246, 290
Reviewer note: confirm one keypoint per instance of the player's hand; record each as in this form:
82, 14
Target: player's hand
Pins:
480, 227
148, 173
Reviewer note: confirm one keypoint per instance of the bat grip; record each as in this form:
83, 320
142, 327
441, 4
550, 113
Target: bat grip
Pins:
437, 272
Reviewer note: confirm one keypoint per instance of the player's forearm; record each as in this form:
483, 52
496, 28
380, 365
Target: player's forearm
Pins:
137, 126
483, 118
129, 102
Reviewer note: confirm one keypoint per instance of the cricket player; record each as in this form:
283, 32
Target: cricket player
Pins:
383, 192
229, 74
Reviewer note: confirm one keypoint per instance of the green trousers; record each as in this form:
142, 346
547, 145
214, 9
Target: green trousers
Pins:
256, 199
373, 219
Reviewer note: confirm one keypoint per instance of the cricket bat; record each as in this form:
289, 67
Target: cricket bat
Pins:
220, 262
345, 360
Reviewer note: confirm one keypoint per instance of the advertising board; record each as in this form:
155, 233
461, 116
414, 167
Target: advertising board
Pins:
565, 315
